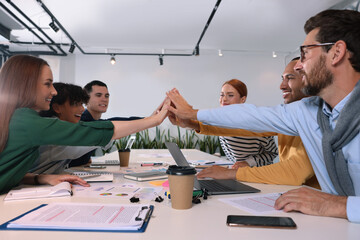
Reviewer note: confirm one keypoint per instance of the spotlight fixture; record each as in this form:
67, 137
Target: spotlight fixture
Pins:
72, 48
53, 26
112, 59
161, 60
274, 54
197, 51
220, 53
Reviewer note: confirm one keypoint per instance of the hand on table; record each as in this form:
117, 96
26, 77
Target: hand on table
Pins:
312, 202
240, 164
53, 179
217, 172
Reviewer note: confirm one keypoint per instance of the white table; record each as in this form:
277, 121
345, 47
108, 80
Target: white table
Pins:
202, 221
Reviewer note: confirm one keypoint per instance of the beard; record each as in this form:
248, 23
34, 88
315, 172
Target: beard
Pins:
317, 79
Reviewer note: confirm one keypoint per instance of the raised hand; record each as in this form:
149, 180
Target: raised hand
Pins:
162, 111
180, 106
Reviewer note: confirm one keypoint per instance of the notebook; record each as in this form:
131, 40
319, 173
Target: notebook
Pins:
60, 190
213, 187
94, 176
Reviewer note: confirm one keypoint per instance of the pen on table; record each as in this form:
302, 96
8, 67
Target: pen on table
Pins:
151, 164
209, 162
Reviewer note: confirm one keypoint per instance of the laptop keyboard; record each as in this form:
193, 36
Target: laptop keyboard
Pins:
213, 186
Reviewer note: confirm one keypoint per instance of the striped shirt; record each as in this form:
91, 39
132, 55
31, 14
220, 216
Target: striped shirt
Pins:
256, 151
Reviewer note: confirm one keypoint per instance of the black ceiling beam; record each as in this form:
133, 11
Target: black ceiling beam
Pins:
36, 53
5, 32
5, 49
197, 46
195, 52
95, 53
54, 52
52, 43
40, 43
63, 53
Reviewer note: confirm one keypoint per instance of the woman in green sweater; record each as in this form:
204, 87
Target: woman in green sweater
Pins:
26, 87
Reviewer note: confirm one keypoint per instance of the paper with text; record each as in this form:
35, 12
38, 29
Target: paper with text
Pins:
116, 190
60, 190
96, 216
256, 204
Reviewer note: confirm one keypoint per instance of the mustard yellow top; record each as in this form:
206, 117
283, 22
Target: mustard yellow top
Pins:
293, 168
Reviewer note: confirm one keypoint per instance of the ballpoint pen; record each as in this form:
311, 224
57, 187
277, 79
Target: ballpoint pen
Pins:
209, 162
151, 164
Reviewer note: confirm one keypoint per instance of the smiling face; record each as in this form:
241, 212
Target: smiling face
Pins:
69, 113
315, 74
229, 95
45, 90
291, 84
99, 99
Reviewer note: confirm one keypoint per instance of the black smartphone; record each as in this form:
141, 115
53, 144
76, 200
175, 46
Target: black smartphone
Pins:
260, 221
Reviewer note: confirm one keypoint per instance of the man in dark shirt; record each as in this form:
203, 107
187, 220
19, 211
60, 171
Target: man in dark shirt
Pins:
98, 103
95, 107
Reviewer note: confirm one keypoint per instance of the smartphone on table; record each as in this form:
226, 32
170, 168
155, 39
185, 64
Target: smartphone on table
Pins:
260, 221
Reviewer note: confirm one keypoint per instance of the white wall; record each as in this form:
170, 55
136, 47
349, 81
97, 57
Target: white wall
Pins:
137, 84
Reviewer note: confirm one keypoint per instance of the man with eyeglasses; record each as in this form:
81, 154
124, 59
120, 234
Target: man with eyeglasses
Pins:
293, 168
328, 123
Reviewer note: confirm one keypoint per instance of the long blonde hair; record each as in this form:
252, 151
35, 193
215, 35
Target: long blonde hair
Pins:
18, 83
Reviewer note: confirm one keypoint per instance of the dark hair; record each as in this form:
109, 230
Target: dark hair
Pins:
66, 92
295, 59
239, 86
18, 88
335, 25
88, 87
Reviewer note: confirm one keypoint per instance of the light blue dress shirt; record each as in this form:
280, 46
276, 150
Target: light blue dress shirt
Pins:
296, 119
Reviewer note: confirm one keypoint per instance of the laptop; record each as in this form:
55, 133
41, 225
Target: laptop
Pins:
214, 186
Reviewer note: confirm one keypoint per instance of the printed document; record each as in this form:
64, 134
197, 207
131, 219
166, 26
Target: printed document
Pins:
92, 216
256, 204
116, 190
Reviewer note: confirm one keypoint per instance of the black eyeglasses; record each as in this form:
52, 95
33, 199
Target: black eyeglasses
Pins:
302, 53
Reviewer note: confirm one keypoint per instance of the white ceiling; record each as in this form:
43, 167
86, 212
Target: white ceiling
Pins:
149, 26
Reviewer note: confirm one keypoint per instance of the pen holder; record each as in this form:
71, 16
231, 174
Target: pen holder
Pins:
124, 156
181, 183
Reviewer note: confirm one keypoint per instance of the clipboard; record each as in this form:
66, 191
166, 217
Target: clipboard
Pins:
142, 229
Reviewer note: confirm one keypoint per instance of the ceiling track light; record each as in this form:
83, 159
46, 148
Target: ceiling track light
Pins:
220, 53
72, 48
197, 51
112, 59
53, 25
161, 60
274, 54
